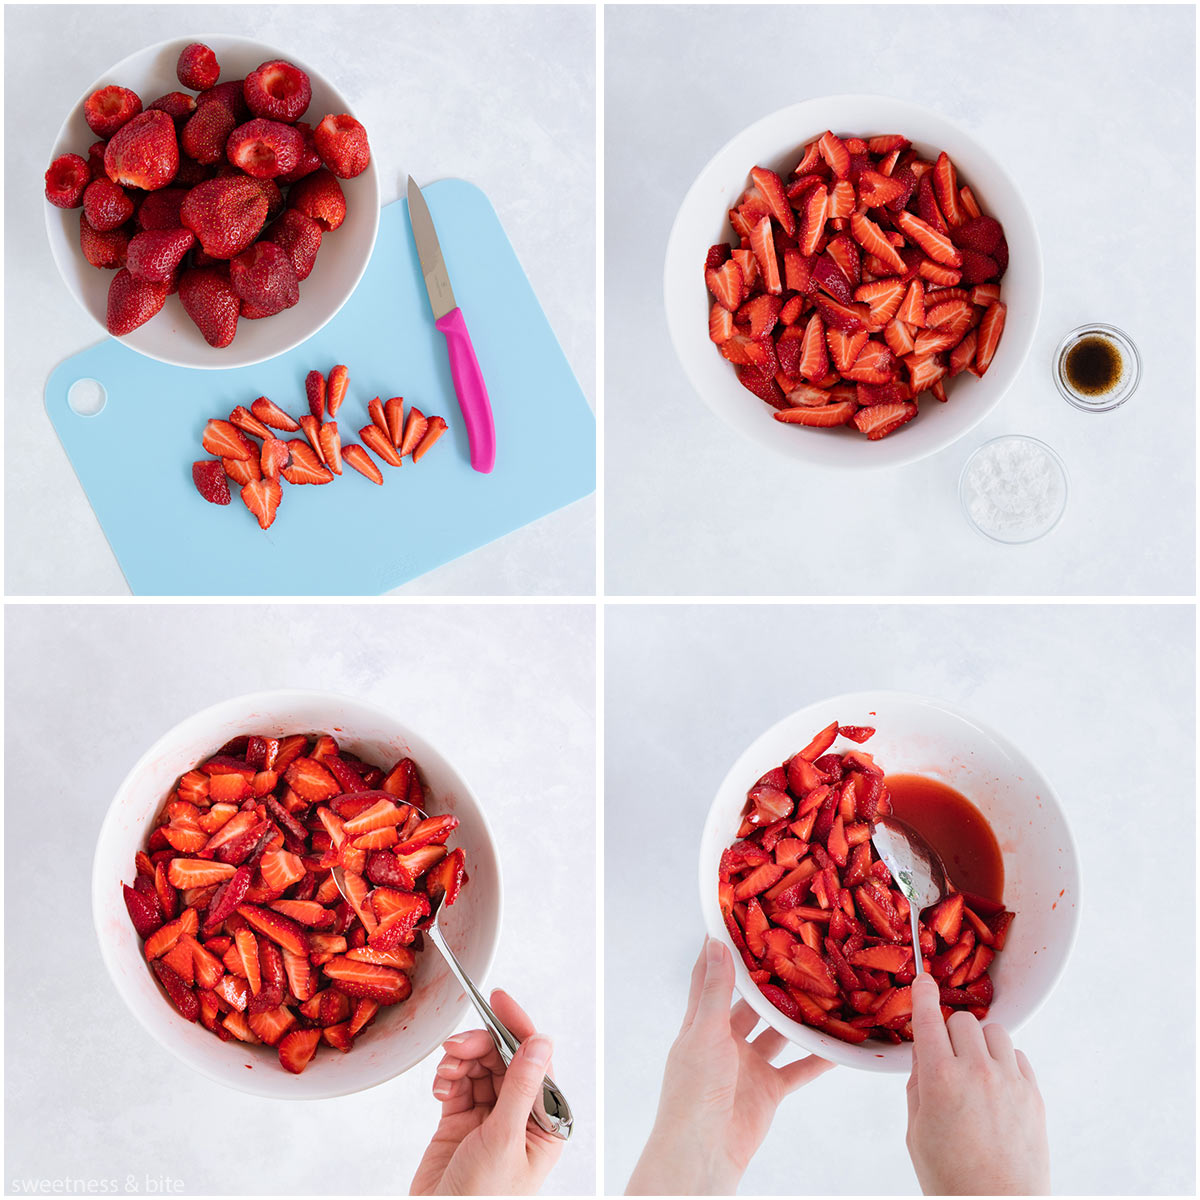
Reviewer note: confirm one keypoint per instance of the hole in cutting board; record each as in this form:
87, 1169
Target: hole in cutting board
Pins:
86, 397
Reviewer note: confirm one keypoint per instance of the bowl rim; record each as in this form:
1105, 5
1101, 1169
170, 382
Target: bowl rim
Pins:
801, 1035
101, 883
370, 175
672, 265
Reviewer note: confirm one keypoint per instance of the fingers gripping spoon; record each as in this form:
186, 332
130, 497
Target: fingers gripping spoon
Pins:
917, 869
552, 1112
464, 366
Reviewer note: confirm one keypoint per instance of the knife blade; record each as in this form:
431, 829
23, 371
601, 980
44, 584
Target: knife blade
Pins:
468, 381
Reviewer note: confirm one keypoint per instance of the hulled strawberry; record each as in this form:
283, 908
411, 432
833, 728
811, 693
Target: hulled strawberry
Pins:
144, 152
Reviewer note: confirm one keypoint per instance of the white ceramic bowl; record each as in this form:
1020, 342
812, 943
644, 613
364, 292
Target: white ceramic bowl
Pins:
928, 737
172, 336
777, 141
402, 1034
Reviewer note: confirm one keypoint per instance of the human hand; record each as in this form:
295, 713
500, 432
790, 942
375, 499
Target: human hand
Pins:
485, 1143
719, 1092
976, 1122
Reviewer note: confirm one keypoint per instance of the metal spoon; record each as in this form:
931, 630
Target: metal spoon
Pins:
552, 1112
917, 869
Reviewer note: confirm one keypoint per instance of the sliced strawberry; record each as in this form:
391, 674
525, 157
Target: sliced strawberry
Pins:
243, 419
945, 186
833, 151
963, 355
210, 480
845, 347
762, 242
726, 285
280, 929
225, 441
272, 415
812, 223
355, 456
924, 372
296, 1050
770, 187
720, 324
314, 389
937, 245
335, 393
275, 456
369, 981
305, 466
178, 992
874, 364
144, 911
883, 297
718, 256
331, 446
814, 357
378, 441
762, 384
761, 313
876, 190
262, 497
991, 327
870, 237
848, 318
831, 414
912, 310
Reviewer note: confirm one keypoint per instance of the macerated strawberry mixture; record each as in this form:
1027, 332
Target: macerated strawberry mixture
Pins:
177, 198
240, 917
816, 915
859, 286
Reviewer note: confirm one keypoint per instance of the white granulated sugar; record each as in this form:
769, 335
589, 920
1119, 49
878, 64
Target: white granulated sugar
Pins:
1014, 489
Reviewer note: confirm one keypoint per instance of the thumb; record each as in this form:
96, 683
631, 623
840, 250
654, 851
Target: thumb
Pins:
521, 1087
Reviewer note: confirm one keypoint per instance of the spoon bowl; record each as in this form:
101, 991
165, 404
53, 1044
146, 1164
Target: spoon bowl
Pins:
917, 869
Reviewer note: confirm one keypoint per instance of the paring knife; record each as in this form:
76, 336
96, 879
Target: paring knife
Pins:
464, 366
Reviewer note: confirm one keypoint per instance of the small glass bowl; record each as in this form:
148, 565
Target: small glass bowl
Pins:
1126, 385
991, 525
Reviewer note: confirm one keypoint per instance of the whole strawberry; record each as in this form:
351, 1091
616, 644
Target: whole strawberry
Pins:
207, 130
341, 142
105, 205
320, 197
177, 105
264, 278
197, 67
154, 254
160, 210
132, 302
212, 304
143, 153
105, 249
230, 95
278, 90
226, 215
310, 160
300, 236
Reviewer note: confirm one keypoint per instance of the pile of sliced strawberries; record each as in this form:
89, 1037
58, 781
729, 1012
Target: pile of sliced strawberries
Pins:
817, 917
858, 286
257, 468
241, 920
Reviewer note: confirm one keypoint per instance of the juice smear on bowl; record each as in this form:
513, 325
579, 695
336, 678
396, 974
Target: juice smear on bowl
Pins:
955, 828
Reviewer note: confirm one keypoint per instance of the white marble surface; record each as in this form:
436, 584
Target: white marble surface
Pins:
1091, 109
506, 691
503, 96
1100, 697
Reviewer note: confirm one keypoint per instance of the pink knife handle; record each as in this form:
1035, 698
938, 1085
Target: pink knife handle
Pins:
470, 389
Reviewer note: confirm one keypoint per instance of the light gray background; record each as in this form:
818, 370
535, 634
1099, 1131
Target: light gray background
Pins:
501, 96
1101, 697
507, 692
1091, 109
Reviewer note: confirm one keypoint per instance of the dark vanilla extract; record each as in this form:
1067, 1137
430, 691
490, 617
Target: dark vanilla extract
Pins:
1093, 366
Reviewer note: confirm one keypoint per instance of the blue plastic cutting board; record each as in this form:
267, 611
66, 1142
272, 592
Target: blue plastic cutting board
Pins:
349, 537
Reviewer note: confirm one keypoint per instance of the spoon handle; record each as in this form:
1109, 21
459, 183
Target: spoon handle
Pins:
553, 1113
914, 918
